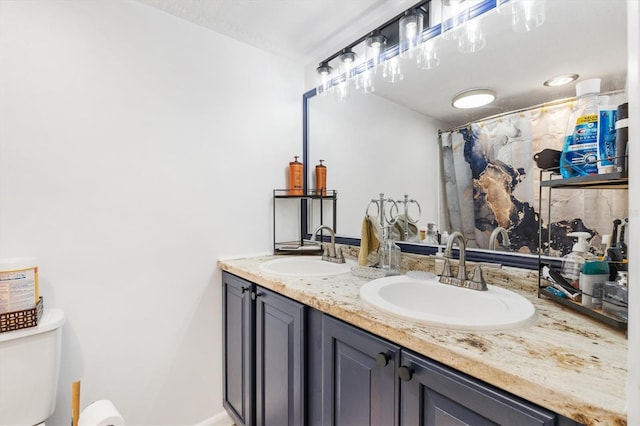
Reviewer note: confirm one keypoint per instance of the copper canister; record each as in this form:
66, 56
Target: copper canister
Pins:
295, 177
321, 179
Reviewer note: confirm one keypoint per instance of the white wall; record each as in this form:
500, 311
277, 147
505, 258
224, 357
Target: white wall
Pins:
135, 149
357, 138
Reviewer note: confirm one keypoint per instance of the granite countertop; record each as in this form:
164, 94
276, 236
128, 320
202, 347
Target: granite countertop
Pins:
565, 361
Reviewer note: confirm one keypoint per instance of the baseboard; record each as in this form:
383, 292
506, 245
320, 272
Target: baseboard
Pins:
220, 419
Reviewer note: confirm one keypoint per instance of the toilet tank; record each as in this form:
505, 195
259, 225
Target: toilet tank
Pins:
29, 367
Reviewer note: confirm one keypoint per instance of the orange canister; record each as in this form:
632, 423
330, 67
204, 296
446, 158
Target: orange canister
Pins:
295, 177
321, 179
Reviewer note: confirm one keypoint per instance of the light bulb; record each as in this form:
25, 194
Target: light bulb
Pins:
375, 45
410, 33
324, 72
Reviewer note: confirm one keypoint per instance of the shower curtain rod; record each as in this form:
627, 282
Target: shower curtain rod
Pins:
542, 105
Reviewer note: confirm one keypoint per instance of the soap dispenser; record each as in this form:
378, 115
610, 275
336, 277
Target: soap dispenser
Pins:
389, 254
573, 262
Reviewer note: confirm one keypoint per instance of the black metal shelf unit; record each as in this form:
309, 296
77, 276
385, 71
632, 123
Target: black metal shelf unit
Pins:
554, 180
305, 202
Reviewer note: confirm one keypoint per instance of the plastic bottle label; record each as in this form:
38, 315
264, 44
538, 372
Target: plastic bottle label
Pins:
580, 156
18, 289
607, 137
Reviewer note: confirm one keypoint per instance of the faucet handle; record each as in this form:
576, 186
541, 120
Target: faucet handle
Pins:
477, 280
446, 268
477, 274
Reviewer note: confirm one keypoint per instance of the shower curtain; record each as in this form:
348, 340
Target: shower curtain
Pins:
490, 179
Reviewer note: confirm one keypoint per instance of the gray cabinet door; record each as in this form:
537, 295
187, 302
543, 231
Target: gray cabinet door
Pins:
238, 349
314, 367
359, 385
280, 360
436, 395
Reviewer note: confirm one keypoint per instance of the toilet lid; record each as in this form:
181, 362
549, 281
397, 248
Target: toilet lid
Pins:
50, 320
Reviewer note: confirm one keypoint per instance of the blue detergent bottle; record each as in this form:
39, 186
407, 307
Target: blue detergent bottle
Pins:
580, 150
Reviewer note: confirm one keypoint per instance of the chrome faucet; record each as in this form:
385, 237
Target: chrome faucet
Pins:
476, 282
330, 252
493, 239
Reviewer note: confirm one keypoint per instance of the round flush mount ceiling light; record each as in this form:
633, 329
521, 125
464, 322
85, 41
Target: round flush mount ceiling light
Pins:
473, 98
561, 80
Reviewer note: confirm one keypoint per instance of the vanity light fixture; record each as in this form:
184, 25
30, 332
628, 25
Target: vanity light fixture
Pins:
347, 72
561, 80
324, 72
401, 37
347, 64
348, 59
411, 26
382, 47
376, 44
473, 98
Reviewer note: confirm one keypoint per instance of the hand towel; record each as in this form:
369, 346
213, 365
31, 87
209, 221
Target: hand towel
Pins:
397, 233
369, 241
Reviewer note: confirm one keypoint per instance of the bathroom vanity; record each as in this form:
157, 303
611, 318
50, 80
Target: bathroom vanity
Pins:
307, 350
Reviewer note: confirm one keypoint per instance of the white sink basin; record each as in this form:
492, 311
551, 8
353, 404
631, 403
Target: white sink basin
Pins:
305, 266
443, 305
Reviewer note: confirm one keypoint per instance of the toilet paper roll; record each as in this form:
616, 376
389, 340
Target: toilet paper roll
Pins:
100, 413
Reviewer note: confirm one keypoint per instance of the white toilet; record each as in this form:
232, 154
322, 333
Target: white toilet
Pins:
29, 367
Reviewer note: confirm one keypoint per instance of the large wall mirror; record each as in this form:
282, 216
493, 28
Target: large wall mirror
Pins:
387, 141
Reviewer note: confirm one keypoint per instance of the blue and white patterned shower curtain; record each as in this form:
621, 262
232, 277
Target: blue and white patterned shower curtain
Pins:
490, 179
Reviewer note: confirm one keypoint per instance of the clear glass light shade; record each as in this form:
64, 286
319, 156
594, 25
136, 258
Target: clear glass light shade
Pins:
470, 37
526, 15
345, 80
454, 15
342, 90
473, 98
365, 81
375, 47
325, 73
392, 70
428, 56
348, 64
411, 26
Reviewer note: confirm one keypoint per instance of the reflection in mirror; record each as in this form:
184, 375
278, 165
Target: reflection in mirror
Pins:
492, 181
387, 141
370, 146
